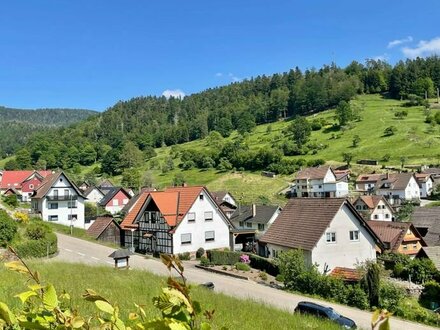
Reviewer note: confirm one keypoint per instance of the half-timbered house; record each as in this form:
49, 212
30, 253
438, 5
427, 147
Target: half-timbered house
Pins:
177, 220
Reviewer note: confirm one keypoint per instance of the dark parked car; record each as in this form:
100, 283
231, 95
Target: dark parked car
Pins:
208, 285
305, 307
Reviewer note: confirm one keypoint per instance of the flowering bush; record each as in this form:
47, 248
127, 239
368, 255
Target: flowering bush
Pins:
245, 259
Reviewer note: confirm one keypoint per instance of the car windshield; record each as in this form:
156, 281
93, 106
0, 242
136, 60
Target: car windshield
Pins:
333, 315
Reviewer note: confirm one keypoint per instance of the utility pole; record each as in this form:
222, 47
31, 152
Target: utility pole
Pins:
438, 96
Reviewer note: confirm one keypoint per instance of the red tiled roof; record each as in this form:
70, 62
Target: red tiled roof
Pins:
369, 177
371, 201
14, 179
346, 274
173, 203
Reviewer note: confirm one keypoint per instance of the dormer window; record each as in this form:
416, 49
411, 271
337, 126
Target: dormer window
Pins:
201, 197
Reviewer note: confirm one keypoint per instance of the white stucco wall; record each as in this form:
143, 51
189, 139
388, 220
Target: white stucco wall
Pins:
63, 211
94, 196
344, 253
198, 228
380, 213
426, 188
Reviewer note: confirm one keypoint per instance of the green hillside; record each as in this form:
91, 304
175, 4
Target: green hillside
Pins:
414, 139
125, 288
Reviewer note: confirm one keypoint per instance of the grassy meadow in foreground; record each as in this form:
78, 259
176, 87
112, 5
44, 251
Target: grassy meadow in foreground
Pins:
128, 287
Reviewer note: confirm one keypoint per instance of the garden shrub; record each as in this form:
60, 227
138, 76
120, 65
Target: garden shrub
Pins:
11, 200
390, 295
204, 261
184, 256
280, 278
357, 297
264, 264
430, 294
8, 228
218, 257
37, 230
200, 252
243, 267
411, 310
38, 248
263, 276
21, 217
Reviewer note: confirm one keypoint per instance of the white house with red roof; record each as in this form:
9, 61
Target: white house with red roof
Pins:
374, 207
177, 220
23, 182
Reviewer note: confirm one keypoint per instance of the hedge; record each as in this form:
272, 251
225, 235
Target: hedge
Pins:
218, 257
264, 264
38, 248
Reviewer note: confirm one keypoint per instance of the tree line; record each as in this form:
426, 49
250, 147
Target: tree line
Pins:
135, 127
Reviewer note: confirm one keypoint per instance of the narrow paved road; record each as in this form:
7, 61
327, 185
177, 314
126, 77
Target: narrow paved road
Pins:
76, 250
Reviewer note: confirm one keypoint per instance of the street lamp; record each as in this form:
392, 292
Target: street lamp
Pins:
132, 247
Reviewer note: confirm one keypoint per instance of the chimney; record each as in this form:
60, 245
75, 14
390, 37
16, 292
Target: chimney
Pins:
184, 184
254, 210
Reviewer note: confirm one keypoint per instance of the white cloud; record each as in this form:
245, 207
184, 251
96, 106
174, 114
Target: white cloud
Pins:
423, 48
234, 78
383, 57
397, 42
177, 93
219, 74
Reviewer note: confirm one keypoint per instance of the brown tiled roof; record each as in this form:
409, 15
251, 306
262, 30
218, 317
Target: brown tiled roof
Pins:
393, 233
218, 195
49, 181
346, 274
303, 221
187, 197
128, 221
373, 200
397, 181
422, 177
98, 226
311, 173
369, 177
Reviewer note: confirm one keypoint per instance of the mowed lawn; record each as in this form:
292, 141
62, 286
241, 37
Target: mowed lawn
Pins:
127, 287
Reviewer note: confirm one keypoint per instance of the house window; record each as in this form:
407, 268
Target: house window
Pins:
365, 207
274, 253
405, 247
358, 207
201, 197
330, 237
53, 218
320, 186
72, 217
55, 193
387, 216
152, 217
31, 186
191, 216
209, 236
415, 246
249, 224
354, 235
376, 216
185, 239
208, 216
115, 202
66, 192
261, 226
71, 204
53, 206
241, 223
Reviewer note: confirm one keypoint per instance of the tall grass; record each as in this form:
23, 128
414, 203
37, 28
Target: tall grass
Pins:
128, 287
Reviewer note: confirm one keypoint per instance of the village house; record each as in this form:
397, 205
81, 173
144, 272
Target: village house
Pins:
374, 207
225, 201
319, 181
176, 220
93, 194
59, 200
115, 199
427, 222
398, 237
367, 183
250, 223
22, 183
330, 232
426, 184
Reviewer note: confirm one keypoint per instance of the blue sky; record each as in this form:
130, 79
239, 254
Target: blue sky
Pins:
92, 53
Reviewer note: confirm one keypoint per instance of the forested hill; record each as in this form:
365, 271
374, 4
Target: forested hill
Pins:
47, 117
134, 127
17, 125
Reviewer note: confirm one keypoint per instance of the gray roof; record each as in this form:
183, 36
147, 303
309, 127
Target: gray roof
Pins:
263, 213
90, 189
396, 181
111, 193
121, 253
433, 253
428, 218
